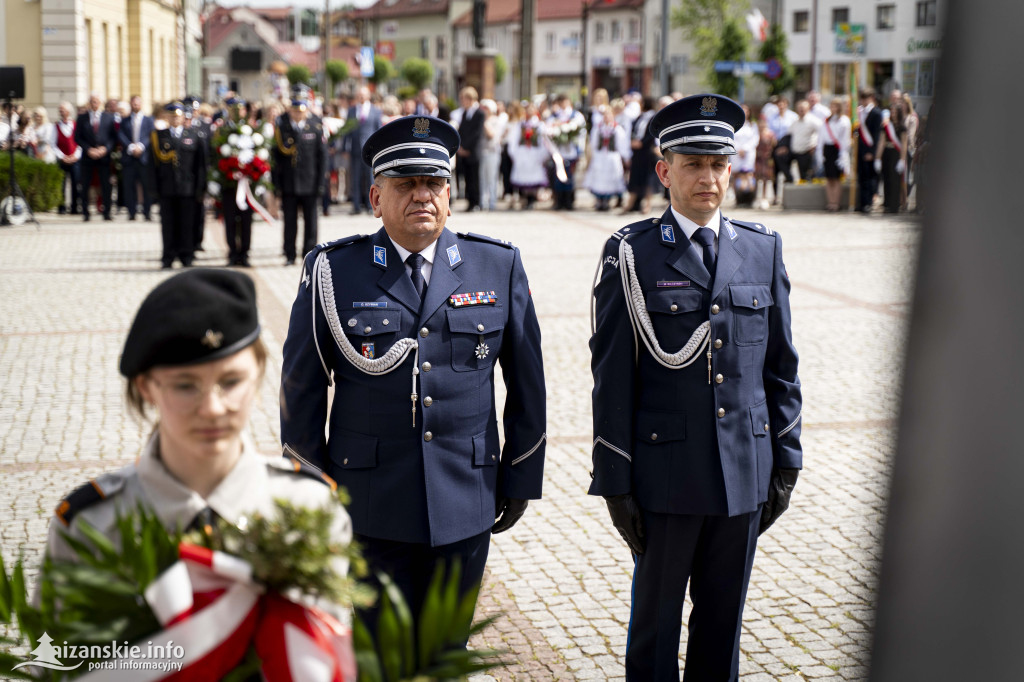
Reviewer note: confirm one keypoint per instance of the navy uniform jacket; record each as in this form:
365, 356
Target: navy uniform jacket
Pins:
179, 164
678, 443
434, 482
300, 157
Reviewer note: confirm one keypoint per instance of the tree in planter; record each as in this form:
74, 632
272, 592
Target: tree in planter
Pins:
299, 73
733, 44
337, 72
703, 22
383, 70
500, 68
774, 47
418, 72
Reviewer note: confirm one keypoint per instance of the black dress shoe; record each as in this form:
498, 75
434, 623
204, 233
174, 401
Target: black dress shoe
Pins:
290, 261
86, 218
354, 211
107, 218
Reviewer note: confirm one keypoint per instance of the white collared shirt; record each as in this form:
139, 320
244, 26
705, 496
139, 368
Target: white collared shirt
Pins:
428, 257
689, 228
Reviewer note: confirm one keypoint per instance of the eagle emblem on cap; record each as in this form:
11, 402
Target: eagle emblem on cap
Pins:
421, 127
212, 339
709, 106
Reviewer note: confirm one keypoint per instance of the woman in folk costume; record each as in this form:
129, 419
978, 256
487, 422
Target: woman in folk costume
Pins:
609, 150
529, 154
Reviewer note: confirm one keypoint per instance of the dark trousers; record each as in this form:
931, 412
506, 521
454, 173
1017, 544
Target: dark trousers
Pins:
198, 223
134, 176
176, 216
359, 183
411, 567
471, 168
892, 180
71, 173
89, 168
565, 192
290, 207
804, 162
867, 184
506, 173
783, 163
237, 230
715, 554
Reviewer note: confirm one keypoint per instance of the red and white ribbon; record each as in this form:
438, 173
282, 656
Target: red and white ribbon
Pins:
244, 197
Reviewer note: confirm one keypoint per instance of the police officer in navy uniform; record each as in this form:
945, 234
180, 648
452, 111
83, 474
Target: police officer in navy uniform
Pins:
696, 399
408, 325
300, 162
237, 220
178, 156
194, 119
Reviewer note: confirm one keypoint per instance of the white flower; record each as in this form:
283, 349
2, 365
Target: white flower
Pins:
225, 150
245, 157
268, 130
257, 139
263, 155
260, 190
213, 188
245, 130
233, 140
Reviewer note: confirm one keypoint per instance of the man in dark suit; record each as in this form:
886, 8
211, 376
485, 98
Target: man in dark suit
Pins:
178, 159
471, 129
867, 137
696, 399
194, 119
369, 122
300, 163
96, 134
416, 303
134, 134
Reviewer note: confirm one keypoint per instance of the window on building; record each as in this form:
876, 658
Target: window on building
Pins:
575, 41
886, 17
309, 23
616, 31
549, 42
440, 47
840, 15
926, 13
599, 32
634, 29
424, 48
801, 20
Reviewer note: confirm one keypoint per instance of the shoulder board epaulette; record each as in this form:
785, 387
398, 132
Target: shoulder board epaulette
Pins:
338, 243
83, 497
753, 227
296, 464
484, 238
636, 227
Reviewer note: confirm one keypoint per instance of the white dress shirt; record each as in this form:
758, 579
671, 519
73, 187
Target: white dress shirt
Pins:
428, 258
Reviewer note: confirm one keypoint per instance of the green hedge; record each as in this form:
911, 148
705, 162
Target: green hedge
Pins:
40, 182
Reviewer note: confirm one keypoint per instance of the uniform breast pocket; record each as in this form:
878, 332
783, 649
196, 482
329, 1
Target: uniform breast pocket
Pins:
675, 314
475, 336
750, 303
372, 331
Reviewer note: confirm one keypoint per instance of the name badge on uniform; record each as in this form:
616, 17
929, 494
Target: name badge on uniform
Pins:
453, 255
368, 350
662, 283
309, 136
186, 140
668, 235
380, 256
475, 298
369, 304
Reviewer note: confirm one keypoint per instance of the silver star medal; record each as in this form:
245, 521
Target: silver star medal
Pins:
481, 349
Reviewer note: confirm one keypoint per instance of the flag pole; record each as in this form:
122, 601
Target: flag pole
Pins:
854, 80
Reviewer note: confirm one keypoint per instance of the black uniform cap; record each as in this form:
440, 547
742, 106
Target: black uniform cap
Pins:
699, 124
412, 146
195, 316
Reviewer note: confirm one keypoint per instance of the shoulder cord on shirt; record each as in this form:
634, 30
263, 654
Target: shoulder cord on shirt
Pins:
395, 356
641, 320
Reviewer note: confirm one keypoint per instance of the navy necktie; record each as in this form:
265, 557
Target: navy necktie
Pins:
415, 261
706, 237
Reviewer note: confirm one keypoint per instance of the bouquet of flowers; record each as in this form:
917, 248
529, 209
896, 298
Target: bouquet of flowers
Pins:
566, 132
241, 165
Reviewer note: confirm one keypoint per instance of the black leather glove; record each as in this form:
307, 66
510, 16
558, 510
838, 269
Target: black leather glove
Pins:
508, 510
626, 518
779, 489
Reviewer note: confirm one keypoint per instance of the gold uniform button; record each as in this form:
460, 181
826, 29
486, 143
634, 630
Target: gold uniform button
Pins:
424, 332
721, 411
718, 343
493, 458
479, 327
386, 322
428, 401
426, 366
345, 461
428, 436
715, 309
719, 378
674, 307
654, 436
755, 302
766, 427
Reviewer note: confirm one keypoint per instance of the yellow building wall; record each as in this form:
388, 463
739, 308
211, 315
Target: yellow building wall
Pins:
23, 28
152, 52
105, 68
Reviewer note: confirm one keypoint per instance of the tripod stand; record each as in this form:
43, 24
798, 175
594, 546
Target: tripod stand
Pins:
14, 208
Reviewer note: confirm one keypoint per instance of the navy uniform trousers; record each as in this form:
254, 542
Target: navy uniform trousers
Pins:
695, 449
420, 490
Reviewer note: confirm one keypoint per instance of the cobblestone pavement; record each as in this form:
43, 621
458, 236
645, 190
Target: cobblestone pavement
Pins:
561, 578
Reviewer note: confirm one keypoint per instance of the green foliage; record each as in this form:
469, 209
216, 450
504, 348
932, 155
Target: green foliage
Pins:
703, 22
299, 73
406, 92
775, 46
431, 649
337, 71
39, 181
732, 45
419, 72
500, 68
383, 70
